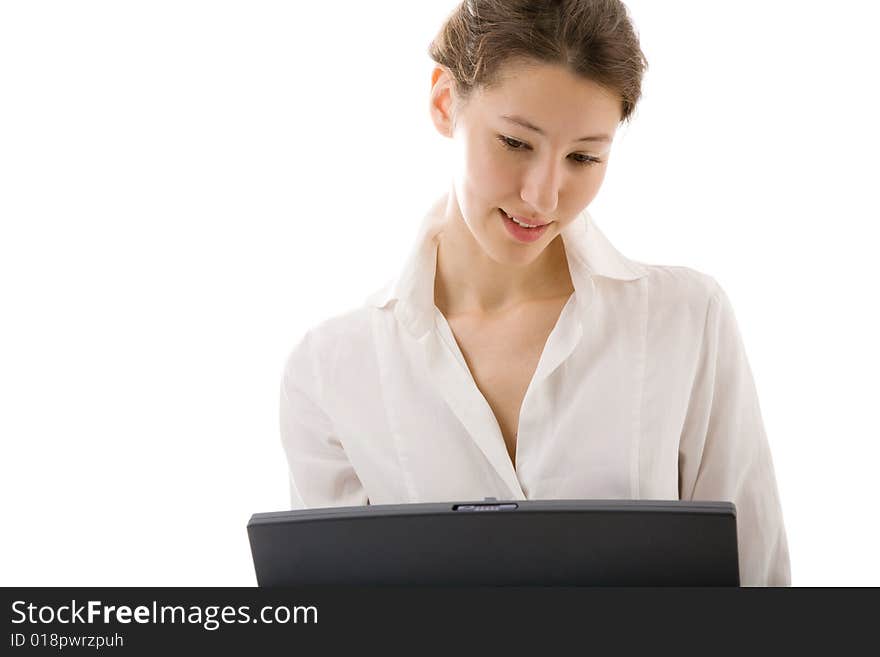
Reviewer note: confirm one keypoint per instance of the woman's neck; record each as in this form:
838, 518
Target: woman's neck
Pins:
468, 281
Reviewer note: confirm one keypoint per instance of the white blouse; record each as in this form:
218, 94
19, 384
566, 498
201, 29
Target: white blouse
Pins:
643, 391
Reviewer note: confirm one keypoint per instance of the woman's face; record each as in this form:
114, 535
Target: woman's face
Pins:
535, 147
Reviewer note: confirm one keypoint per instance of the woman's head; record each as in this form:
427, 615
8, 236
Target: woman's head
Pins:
517, 84
594, 39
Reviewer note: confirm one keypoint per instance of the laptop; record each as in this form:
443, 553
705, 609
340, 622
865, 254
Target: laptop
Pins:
499, 543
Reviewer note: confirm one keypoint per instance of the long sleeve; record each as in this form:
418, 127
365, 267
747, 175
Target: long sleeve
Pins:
319, 471
724, 454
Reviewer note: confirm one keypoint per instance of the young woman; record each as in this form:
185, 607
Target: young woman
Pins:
518, 354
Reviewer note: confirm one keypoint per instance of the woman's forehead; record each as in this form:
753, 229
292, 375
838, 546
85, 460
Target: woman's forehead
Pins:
551, 95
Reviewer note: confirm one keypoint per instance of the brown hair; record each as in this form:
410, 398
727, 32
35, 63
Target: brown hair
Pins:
593, 38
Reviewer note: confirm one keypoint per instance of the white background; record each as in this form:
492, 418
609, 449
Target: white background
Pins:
186, 187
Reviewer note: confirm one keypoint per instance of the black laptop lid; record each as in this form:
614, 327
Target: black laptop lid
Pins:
500, 543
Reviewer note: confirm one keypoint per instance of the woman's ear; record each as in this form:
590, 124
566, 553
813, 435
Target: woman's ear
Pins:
442, 101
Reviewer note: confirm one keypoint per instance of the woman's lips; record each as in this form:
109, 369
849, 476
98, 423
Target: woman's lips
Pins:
525, 220
519, 233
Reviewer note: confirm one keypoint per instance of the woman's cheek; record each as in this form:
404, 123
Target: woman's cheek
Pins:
496, 174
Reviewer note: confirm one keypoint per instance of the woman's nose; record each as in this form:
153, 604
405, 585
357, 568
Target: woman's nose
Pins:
540, 189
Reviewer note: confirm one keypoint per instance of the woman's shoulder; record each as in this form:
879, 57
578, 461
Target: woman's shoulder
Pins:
345, 325
678, 293
341, 337
680, 281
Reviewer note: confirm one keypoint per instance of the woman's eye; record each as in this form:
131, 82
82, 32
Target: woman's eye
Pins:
586, 160
510, 143
515, 145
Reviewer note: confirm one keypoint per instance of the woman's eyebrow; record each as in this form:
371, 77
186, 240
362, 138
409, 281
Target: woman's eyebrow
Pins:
531, 126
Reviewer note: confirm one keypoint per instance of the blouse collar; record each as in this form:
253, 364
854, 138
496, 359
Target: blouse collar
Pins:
588, 251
